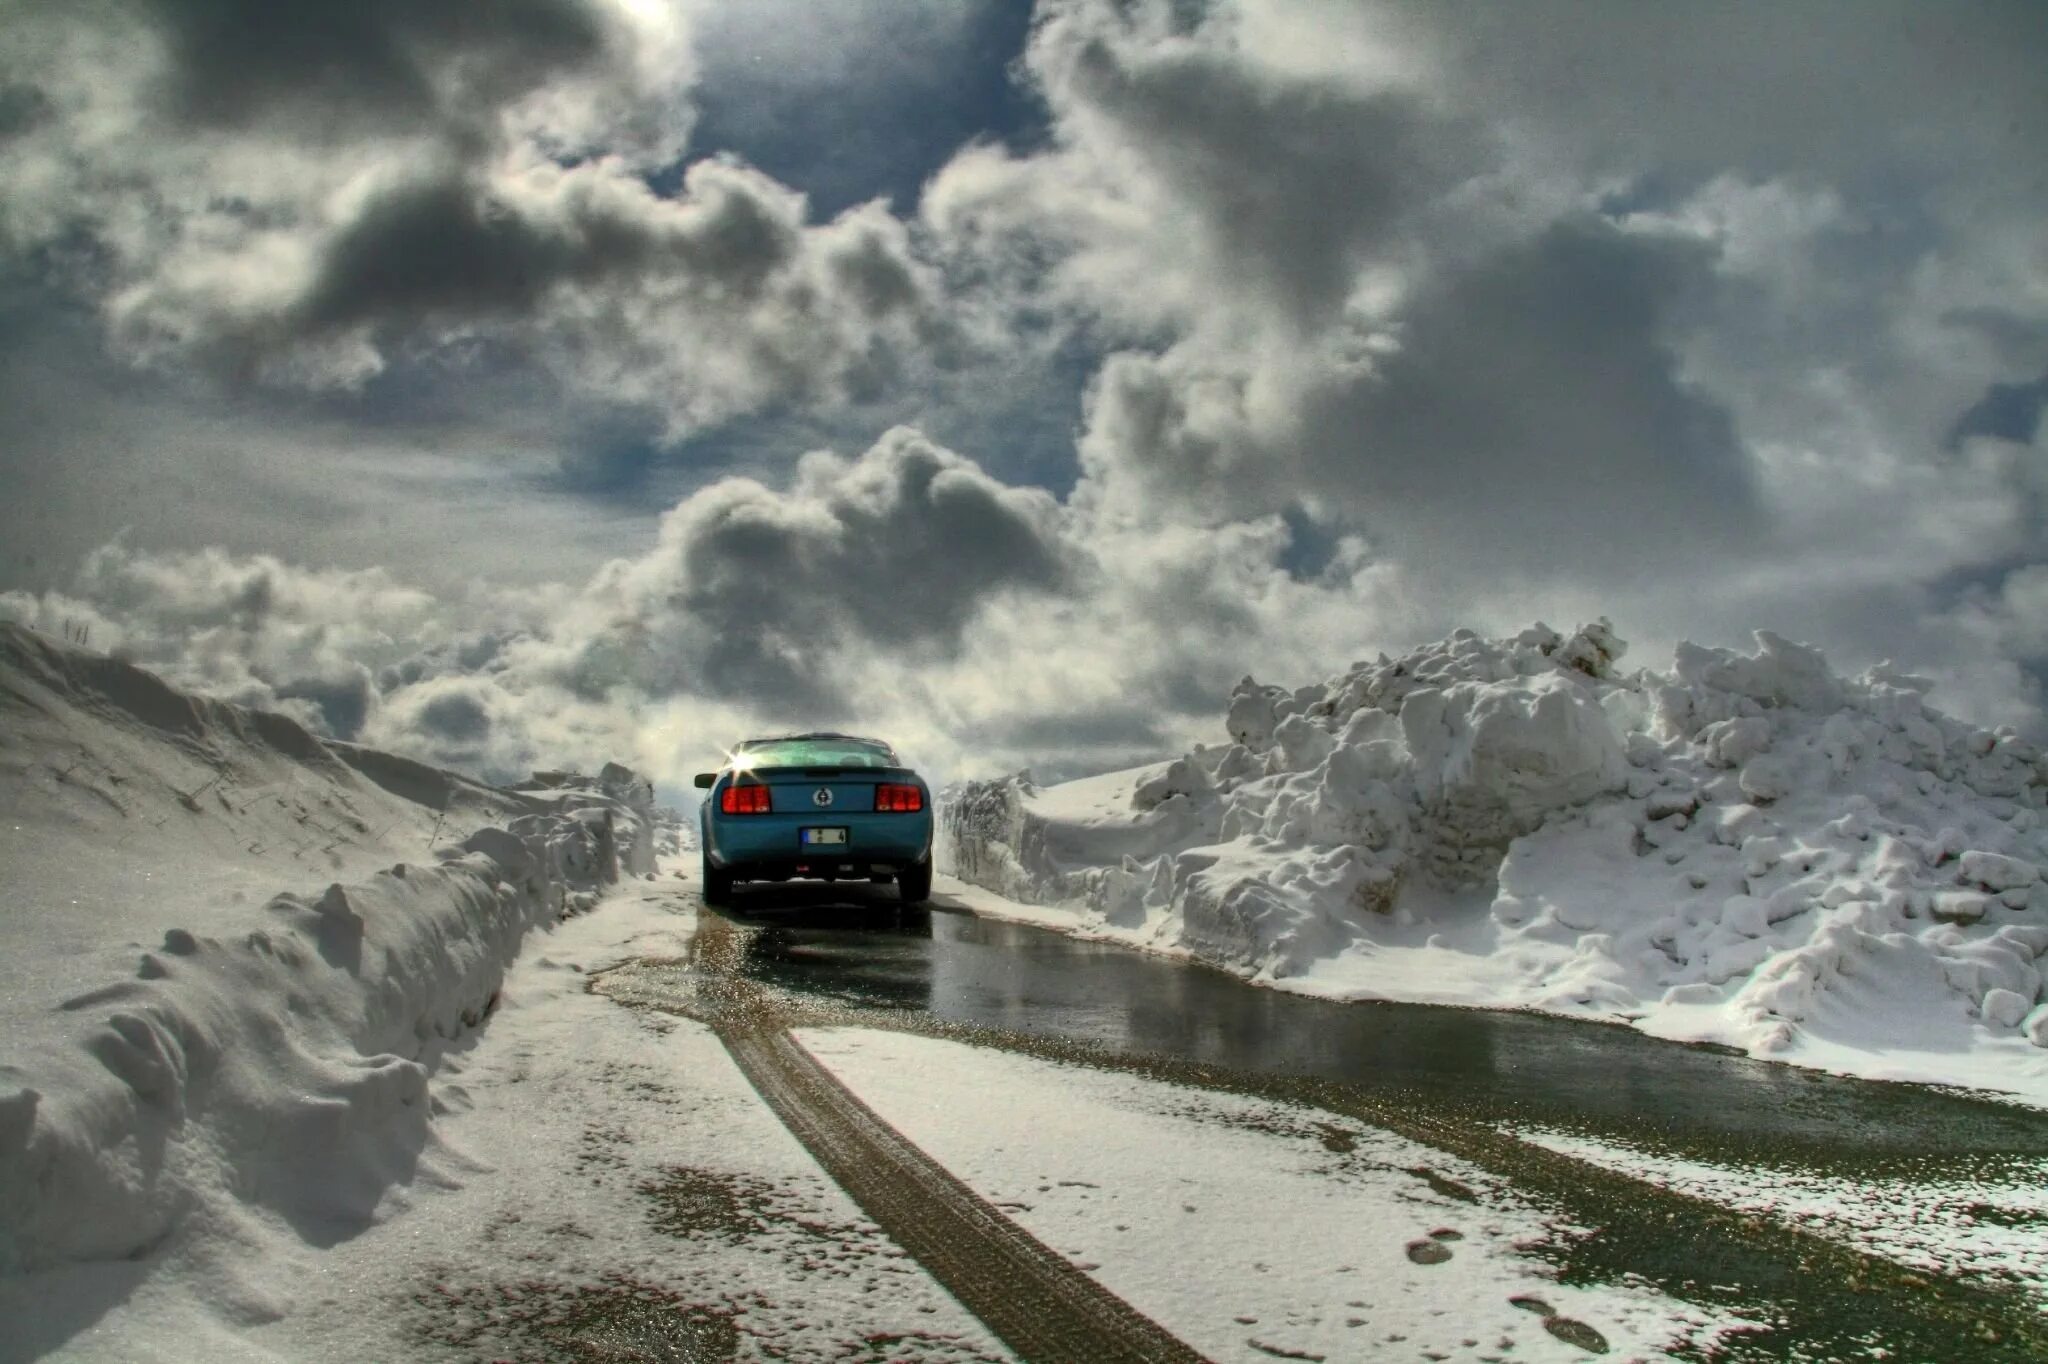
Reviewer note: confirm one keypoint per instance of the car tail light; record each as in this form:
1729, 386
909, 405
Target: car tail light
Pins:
899, 799
744, 800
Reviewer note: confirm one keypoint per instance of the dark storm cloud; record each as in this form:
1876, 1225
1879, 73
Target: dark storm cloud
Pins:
22, 107
2009, 412
435, 247
350, 67
453, 247
874, 275
331, 195
381, 185
450, 247
344, 703
1296, 183
1538, 394
756, 594
1532, 414
455, 716
1354, 297
693, 307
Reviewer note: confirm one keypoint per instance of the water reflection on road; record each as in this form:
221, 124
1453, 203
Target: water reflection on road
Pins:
853, 945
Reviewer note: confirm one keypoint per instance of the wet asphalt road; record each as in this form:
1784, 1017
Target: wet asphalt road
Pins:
1456, 1080
851, 945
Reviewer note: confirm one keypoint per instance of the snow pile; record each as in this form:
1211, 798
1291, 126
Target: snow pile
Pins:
596, 803
186, 1046
1747, 848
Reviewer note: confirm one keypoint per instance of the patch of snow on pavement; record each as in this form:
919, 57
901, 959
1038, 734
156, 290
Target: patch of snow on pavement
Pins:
1747, 849
1250, 1229
1991, 1226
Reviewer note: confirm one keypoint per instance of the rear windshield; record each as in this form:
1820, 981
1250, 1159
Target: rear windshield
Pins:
760, 753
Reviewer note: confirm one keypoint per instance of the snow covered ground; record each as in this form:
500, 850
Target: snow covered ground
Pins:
229, 953
1747, 849
249, 1108
594, 1175
1254, 1230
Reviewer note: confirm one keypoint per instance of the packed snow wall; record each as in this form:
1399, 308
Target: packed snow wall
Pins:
1783, 852
178, 1042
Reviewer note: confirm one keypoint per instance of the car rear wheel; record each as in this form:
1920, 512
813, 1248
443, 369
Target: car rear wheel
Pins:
717, 885
915, 883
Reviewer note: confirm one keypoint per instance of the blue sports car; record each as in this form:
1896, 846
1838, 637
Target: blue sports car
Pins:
828, 806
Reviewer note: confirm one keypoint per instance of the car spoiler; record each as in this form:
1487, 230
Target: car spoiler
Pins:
770, 776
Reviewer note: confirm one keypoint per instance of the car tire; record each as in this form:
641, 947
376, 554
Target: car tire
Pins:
717, 885
914, 884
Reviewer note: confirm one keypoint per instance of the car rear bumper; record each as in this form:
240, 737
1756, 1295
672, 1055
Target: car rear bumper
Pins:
823, 869
770, 846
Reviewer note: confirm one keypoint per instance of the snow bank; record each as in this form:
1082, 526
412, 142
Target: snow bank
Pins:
1747, 848
182, 1044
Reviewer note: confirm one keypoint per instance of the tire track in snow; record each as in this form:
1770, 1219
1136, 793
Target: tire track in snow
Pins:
1026, 1293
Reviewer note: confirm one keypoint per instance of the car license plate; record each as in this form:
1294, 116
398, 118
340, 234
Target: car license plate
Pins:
818, 838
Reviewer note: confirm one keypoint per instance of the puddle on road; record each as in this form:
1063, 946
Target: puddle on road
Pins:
852, 952
1449, 1078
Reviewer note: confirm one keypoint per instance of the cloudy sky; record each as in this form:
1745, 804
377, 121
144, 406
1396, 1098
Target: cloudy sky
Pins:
543, 381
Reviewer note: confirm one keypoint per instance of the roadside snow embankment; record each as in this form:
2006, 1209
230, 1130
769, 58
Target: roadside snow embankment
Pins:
183, 1044
1748, 849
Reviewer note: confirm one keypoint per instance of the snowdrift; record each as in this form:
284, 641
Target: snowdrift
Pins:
1748, 849
182, 1041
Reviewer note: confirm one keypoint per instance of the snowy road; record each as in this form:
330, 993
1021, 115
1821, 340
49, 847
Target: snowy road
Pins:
1457, 1086
1262, 1175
